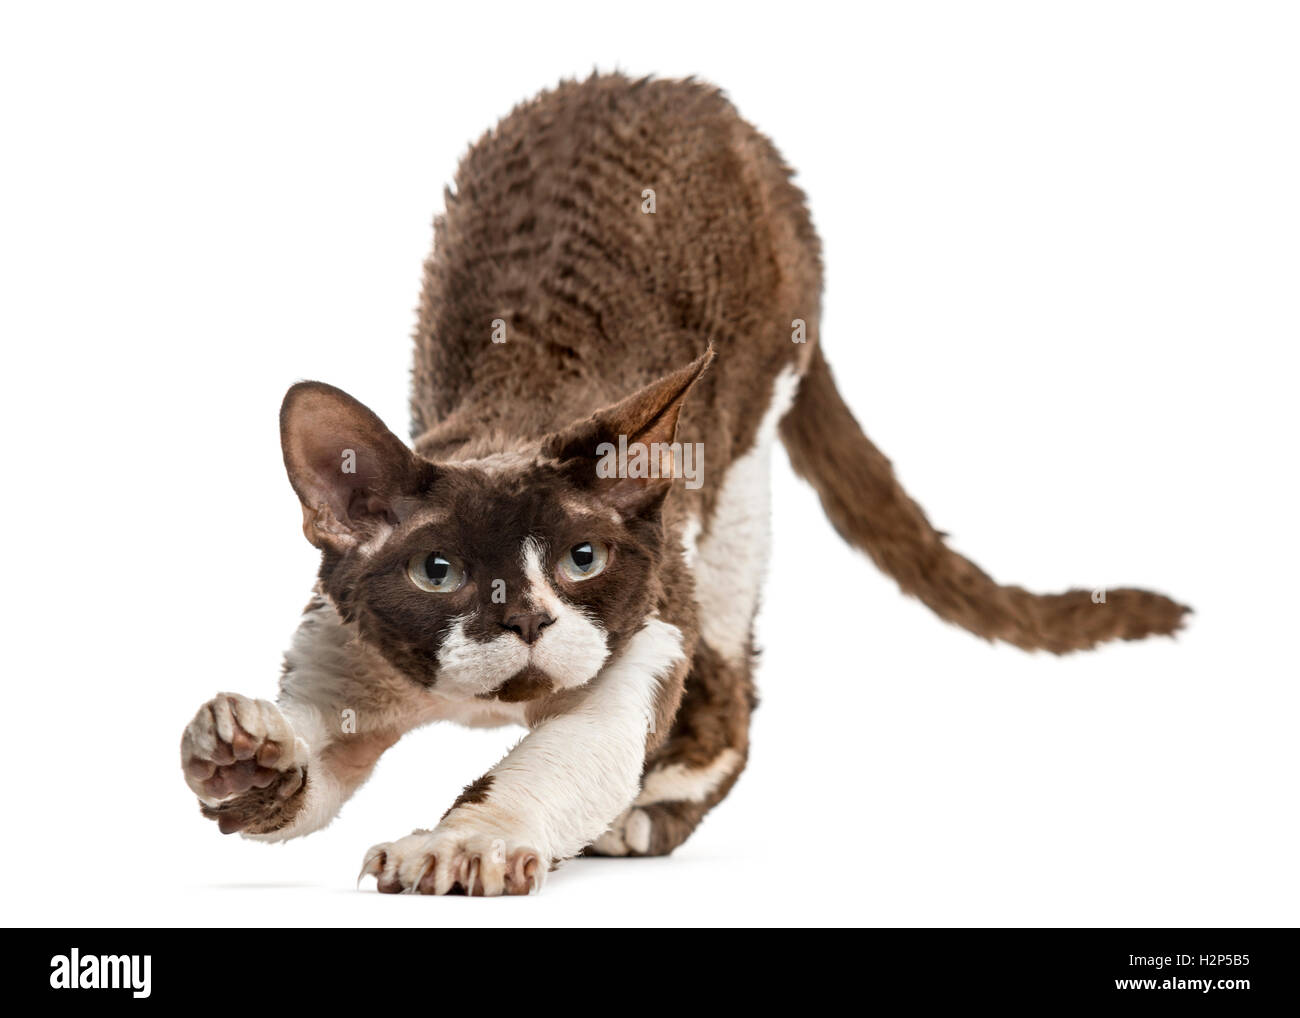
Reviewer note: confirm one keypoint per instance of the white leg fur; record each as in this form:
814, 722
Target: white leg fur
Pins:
560, 788
337, 693
679, 783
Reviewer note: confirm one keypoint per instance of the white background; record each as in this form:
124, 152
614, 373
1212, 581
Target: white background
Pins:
1062, 255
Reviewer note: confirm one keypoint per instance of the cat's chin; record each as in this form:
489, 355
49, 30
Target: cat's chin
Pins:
529, 684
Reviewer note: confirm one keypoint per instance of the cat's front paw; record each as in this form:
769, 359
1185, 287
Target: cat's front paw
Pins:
241, 758
454, 862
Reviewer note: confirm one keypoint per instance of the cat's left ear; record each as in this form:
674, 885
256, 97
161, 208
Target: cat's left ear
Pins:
623, 453
350, 472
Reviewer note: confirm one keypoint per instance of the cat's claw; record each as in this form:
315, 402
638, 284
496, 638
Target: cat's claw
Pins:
373, 864
450, 862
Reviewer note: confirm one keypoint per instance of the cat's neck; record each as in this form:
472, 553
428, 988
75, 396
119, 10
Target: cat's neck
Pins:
511, 419
458, 439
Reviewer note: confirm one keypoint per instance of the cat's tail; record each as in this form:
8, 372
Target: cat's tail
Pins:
869, 508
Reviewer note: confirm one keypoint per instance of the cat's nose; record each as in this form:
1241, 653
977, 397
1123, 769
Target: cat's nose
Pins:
528, 626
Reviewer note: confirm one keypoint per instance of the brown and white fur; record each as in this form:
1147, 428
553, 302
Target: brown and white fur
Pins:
561, 311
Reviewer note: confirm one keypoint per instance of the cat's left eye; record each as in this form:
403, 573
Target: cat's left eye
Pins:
584, 560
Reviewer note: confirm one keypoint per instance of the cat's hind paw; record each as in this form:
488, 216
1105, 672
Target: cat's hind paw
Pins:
447, 862
628, 835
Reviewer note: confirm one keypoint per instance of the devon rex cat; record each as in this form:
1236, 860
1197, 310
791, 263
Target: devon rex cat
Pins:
624, 280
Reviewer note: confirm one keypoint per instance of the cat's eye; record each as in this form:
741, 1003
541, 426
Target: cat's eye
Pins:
435, 572
583, 561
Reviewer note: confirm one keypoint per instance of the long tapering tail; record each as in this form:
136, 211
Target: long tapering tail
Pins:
871, 511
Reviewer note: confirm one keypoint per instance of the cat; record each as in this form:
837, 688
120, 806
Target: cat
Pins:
622, 265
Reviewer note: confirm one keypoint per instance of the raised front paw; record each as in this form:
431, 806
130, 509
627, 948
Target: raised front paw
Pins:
241, 757
454, 862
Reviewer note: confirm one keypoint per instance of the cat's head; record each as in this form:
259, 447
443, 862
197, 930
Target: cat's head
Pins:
506, 577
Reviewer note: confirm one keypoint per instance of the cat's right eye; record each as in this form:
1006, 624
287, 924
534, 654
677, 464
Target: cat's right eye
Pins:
435, 572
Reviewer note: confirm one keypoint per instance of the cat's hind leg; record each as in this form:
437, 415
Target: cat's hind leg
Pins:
695, 768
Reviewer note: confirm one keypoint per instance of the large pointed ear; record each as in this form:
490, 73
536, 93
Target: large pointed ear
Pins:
349, 471
625, 453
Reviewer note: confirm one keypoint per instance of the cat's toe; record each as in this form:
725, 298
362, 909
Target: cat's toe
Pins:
241, 758
628, 835
434, 862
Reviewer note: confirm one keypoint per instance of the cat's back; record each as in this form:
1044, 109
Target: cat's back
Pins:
601, 235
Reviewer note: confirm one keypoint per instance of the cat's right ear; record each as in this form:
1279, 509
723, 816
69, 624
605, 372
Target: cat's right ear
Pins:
349, 471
